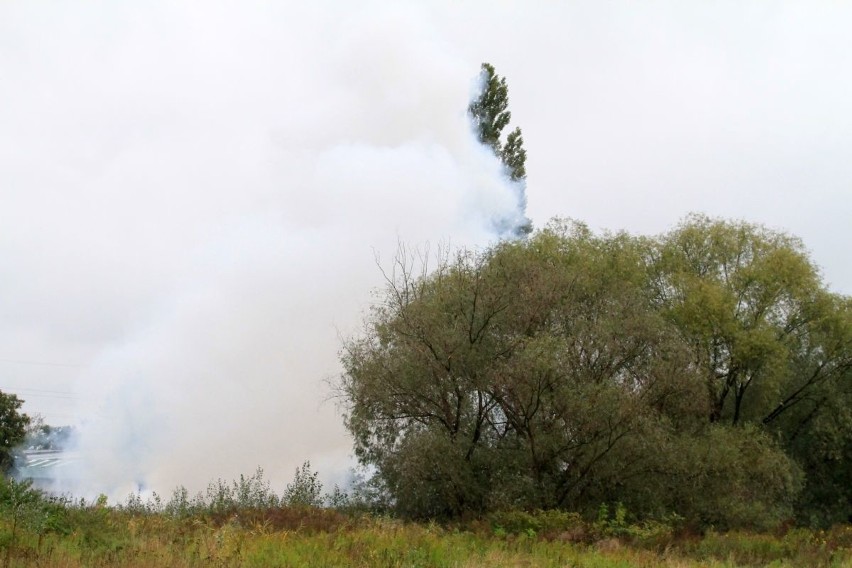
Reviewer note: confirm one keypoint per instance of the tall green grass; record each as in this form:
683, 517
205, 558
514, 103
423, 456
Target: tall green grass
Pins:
232, 526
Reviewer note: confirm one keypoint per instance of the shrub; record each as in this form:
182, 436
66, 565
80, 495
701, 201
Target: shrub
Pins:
305, 490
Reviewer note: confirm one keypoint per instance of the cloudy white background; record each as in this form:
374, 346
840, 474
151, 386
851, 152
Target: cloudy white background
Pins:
192, 194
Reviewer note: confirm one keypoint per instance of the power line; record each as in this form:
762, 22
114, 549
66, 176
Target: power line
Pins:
40, 390
28, 395
66, 415
28, 392
40, 363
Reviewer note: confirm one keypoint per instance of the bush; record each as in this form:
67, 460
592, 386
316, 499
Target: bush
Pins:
305, 490
548, 524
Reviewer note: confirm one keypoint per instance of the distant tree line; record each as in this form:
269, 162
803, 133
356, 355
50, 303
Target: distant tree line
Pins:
705, 373
19, 431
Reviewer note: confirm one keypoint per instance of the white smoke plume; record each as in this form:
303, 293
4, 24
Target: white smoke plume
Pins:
191, 192
206, 186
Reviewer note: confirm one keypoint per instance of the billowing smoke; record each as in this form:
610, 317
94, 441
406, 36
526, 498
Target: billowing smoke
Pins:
206, 188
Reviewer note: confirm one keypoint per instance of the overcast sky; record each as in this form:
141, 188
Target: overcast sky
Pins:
193, 195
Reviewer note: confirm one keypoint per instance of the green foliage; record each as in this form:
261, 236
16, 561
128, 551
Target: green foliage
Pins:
98, 535
338, 499
490, 115
24, 509
817, 429
220, 498
614, 524
247, 496
13, 428
510, 378
249, 492
797, 547
305, 490
763, 329
514, 156
774, 346
571, 369
719, 476
489, 112
549, 523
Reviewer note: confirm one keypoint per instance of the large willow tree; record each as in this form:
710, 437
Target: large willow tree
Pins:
572, 369
773, 345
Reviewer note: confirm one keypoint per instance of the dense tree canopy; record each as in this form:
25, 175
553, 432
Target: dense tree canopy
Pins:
674, 374
774, 346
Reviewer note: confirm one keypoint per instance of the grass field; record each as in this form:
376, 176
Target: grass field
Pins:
95, 535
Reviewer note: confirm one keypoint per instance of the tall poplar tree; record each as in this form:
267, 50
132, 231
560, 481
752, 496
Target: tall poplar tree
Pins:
490, 115
489, 111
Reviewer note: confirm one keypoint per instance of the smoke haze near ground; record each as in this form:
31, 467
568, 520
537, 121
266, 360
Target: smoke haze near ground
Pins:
193, 193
